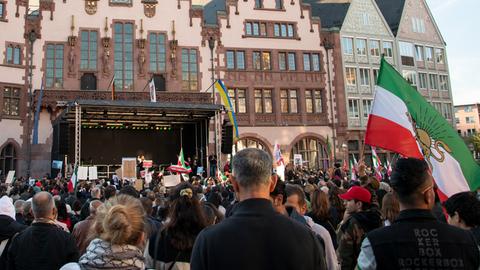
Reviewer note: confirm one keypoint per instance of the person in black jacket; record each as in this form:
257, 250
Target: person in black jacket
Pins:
43, 245
463, 211
255, 236
416, 239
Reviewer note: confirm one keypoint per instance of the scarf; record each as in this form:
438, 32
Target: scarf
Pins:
103, 255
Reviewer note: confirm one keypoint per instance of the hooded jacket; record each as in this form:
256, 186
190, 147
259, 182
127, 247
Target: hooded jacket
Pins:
351, 234
8, 226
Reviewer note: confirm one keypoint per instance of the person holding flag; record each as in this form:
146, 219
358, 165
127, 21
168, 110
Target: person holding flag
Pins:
182, 166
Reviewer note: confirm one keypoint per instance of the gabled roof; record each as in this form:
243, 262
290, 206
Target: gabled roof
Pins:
210, 11
392, 11
330, 14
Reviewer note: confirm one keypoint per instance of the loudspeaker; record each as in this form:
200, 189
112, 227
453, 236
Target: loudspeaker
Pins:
227, 138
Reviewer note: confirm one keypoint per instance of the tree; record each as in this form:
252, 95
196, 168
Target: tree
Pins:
475, 140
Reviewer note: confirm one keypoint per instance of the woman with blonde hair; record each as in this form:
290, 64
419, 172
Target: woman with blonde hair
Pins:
118, 237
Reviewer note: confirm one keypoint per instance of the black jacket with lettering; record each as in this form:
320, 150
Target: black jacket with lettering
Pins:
417, 240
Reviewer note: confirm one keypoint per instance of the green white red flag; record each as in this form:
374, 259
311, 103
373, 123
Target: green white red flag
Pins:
353, 168
402, 121
73, 180
376, 163
182, 166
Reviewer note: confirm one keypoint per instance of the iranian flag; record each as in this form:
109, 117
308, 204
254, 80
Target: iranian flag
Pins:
402, 121
182, 166
73, 181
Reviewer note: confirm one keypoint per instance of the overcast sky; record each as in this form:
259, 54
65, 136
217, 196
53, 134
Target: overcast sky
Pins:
458, 21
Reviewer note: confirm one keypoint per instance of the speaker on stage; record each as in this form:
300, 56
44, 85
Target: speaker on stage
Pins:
227, 137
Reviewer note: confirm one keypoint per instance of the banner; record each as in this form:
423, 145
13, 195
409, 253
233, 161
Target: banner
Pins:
92, 173
82, 173
297, 160
171, 180
129, 168
57, 164
10, 176
147, 164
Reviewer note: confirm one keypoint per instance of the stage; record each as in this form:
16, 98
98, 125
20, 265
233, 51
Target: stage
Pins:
98, 132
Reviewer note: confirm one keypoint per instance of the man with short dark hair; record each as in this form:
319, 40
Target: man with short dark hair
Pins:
416, 239
255, 237
359, 218
463, 211
42, 245
95, 194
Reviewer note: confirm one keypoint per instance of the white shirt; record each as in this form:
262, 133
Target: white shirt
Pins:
331, 256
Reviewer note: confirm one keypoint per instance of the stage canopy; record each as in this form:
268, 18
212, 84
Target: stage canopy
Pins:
137, 113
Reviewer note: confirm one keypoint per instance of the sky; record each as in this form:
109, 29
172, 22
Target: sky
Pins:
456, 20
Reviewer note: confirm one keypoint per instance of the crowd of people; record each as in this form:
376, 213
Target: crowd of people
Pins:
313, 219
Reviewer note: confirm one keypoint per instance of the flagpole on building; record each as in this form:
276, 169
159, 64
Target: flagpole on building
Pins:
148, 82
112, 83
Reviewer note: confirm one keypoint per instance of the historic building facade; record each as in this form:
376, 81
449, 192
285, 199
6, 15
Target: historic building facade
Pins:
422, 57
273, 64
268, 53
467, 119
359, 35
83, 49
13, 84
300, 75
361, 31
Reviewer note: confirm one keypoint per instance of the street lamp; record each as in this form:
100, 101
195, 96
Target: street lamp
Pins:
32, 37
211, 45
328, 45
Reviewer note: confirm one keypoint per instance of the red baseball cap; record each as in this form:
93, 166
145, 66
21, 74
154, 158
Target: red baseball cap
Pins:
357, 193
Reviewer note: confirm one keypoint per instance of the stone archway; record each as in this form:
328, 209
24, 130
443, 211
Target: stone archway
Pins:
313, 149
9, 156
252, 140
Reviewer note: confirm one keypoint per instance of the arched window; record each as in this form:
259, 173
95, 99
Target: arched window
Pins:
248, 143
8, 160
314, 153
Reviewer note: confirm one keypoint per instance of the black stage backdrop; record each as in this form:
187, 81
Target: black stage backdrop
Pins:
109, 146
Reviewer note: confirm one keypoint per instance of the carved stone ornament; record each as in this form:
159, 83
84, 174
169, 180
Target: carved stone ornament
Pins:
106, 56
149, 10
149, 7
91, 6
141, 56
173, 57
